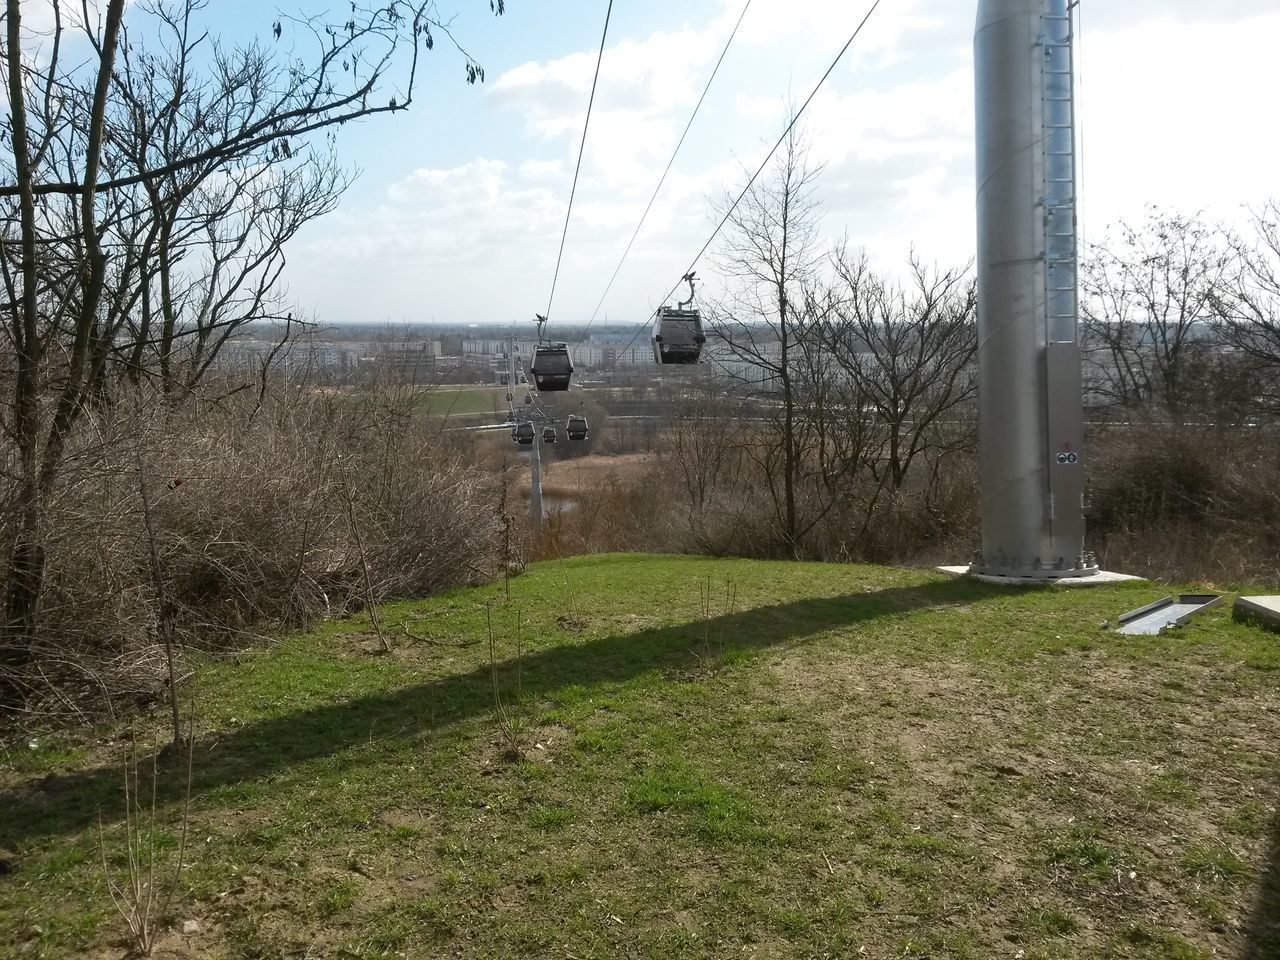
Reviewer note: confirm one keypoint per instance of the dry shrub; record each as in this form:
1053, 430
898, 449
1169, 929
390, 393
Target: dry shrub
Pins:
264, 517
716, 498
934, 518
1169, 502
1187, 502
1151, 477
617, 514
277, 530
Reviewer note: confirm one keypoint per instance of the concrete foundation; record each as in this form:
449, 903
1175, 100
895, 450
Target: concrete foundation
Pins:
1264, 611
1101, 578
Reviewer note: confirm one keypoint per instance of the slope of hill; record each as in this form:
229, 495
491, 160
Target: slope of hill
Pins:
692, 758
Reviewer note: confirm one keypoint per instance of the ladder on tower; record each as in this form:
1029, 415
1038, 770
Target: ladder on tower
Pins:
1063, 390
1057, 41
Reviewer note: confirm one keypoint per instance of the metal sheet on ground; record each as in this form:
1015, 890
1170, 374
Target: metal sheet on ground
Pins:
1167, 612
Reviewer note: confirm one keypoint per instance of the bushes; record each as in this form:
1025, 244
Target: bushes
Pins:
1145, 477
1172, 502
317, 503
1187, 502
261, 518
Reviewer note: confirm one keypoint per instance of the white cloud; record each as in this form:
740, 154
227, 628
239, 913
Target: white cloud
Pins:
543, 170
637, 78
1173, 113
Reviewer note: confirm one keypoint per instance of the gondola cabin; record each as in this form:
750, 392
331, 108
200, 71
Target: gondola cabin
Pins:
677, 335
523, 433
551, 367
549, 434
576, 427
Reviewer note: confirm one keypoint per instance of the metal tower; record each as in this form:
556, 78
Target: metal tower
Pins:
1031, 418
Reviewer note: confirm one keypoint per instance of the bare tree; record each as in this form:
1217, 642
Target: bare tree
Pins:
1248, 307
770, 256
1148, 304
908, 354
145, 200
706, 447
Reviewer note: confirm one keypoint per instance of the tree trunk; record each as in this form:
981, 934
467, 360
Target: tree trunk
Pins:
26, 559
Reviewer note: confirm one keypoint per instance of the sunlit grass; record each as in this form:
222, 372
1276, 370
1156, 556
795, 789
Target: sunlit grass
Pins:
839, 759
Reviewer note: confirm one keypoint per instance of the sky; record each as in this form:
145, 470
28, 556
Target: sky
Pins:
457, 212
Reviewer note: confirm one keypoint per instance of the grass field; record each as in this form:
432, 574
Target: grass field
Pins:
713, 758
466, 401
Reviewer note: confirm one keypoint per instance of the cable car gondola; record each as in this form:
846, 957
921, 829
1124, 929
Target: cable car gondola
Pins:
576, 427
679, 337
528, 398
677, 333
549, 434
523, 433
551, 367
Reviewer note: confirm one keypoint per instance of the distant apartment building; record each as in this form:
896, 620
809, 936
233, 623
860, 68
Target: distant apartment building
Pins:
596, 352
490, 347
322, 361
599, 354
404, 362
738, 366
243, 357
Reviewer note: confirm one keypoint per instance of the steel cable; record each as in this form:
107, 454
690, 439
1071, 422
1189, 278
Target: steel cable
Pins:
665, 173
763, 163
578, 168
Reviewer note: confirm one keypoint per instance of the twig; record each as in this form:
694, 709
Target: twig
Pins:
364, 568
162, 600
136, 898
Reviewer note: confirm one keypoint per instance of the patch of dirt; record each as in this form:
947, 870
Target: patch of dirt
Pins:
545, 742
1012, 763
538, 744
204, 941
633, 622
229, 820
363, 643
411, 646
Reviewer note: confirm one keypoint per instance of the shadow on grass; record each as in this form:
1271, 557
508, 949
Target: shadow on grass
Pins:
62, 804
1263, 932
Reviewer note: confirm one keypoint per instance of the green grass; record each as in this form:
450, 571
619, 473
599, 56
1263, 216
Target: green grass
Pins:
464, 401
854, 761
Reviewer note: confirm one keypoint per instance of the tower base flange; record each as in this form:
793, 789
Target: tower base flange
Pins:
1095, 579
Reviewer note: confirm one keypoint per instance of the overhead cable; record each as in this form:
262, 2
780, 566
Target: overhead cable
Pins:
763, 163
578, 169
671, 162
